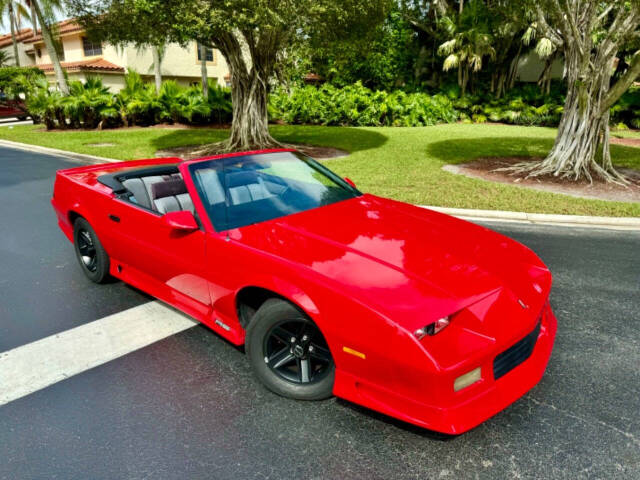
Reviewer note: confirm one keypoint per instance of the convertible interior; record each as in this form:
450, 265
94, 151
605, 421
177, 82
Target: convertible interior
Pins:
163, 189
234, 193
160, 189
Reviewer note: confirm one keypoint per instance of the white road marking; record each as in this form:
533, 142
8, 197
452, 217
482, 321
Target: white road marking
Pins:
34, 366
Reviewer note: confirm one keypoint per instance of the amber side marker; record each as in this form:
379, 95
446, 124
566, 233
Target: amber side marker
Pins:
354, 352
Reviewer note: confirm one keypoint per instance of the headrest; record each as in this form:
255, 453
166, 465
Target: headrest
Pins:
168, 188
237, 179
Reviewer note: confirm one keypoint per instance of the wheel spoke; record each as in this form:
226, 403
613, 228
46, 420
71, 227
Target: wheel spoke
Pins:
320, 353
305, 370
296, 351
281, 358
281, 334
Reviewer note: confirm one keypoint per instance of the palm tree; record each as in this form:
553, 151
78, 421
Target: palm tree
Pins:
470, 41
43, 14
14, 10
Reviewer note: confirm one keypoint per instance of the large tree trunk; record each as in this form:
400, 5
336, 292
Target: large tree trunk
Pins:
584, 125
250, 69
157, 66
51, 49
203, 70
14, 32
250, 124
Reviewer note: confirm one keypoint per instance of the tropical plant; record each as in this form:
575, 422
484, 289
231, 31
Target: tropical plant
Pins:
47, 105
470, 41
219, 101
89, 104
5, 58
359, 106
13, 10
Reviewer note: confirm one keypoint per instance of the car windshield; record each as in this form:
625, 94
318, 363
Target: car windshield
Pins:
247, 189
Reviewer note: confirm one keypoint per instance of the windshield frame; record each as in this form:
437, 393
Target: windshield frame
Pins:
188, 168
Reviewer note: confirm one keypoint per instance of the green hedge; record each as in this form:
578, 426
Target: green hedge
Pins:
356, 105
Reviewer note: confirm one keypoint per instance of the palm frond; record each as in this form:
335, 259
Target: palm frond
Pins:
545, 47
452, 61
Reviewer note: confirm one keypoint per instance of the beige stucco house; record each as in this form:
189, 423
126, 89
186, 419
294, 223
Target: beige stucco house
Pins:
81, 57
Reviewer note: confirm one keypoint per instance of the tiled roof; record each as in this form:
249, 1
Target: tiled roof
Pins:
98, 64
5, 40
63, 27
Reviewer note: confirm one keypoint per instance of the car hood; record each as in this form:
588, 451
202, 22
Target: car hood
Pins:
411, 264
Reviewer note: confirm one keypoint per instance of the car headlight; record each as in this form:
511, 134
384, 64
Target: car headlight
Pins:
432, 328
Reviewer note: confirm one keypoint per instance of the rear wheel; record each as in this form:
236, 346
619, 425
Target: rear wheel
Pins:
91, 255
288, 352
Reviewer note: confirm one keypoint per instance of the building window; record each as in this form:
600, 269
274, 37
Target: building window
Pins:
90, 48
208, 54
39, 52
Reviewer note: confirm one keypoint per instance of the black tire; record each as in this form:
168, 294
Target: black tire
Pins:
271, 332
92, 257
22, 118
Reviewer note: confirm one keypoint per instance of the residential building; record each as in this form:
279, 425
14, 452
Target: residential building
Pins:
80, 57
6, 44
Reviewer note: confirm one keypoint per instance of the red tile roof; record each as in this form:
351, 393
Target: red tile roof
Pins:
5, 40
97, 64
63, 27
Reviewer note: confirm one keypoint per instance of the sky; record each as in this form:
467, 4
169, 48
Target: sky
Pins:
6, 28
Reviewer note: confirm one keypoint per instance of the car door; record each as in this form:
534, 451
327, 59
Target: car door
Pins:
166, 263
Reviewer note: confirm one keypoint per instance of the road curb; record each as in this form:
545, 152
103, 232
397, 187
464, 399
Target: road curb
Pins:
584, 221
73, 156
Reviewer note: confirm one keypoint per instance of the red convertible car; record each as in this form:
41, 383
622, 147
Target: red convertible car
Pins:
416, 314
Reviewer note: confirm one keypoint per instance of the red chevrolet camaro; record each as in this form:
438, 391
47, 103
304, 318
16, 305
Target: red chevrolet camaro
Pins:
416, 314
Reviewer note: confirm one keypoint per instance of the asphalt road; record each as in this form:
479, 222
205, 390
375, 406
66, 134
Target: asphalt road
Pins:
188, 406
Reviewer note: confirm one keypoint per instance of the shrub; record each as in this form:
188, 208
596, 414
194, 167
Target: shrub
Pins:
356, 105
90, 104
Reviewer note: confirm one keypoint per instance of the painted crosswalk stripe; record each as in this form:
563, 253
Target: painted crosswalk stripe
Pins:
34, 366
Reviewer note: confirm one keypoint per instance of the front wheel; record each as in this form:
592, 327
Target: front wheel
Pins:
91, 255
288, 353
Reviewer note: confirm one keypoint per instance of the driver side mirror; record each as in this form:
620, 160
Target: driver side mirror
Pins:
350, 182
182, 220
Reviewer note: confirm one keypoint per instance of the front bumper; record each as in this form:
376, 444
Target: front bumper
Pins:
489, 397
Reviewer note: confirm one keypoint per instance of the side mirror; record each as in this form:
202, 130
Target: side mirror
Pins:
350, 182
183, 220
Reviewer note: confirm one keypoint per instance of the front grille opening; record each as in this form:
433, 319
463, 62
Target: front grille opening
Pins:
516, 354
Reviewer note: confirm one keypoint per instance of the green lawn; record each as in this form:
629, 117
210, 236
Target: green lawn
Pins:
401, 163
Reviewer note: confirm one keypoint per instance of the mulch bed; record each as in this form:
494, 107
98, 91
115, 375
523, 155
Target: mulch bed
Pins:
195, 151
485, 169
629, 142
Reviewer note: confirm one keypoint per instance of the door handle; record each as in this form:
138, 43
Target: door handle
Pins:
114, 218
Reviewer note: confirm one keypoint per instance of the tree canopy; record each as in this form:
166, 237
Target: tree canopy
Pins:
252, 35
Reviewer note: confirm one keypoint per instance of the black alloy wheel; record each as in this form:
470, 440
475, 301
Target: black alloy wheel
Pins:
91, 255
88, 253
296, 351
289, 353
